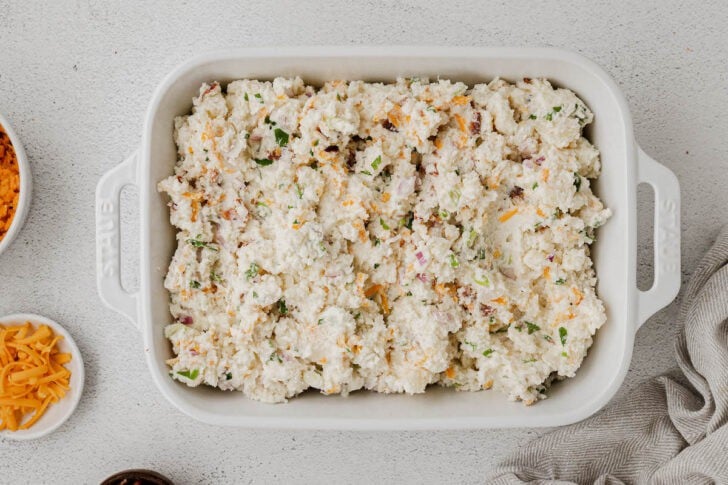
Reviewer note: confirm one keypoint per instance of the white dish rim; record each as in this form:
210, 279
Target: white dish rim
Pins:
26, 186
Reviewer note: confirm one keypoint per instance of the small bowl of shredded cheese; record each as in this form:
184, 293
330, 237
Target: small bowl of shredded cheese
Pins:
41, 376
15, 184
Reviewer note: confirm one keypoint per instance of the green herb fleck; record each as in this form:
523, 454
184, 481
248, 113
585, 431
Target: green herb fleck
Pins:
409, 220
562, 335
455, 195
320, 321
215, 277
195, 284
549, 116
444, 214
275, 356
255, 294
252, 272
377, 162
245, 96
376, 265
472, 236
482, 282
229, 375
432, 109
366, 172
267, 121
557, 109
259, 97
281, 137
383, 224
487, 352
529, 361
377, 242
532, 117
263, 162
196, 242
564, 354
560, 281
481, 253
299, 191
282, 308
577, 181
532, 327
454, 263
471, 344
548, 338
534, 186
409, 293
189, 374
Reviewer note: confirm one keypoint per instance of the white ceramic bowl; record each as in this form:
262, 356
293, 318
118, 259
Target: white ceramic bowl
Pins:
57, 413
615, 251
21, 212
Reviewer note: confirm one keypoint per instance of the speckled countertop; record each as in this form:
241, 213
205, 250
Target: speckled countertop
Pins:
75, 80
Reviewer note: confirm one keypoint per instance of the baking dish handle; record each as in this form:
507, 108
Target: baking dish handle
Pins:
108, 240
666, 237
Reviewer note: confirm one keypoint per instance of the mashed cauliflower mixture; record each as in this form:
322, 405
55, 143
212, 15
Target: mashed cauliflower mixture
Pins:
383, 236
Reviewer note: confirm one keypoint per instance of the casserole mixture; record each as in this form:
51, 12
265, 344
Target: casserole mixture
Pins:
383, 237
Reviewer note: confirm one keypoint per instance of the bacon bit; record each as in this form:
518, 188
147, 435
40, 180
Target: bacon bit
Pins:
331, 149
460, 100
450, 373
500, 300
388, 356
461, 122
508, 215
497, 253
516, 192
372, 290
387, 125
195, 210
356, 349
547, 272
540, 212
545, 174
579, 295
486, 310
395, 116
475, 124
539, 160
386, 196
210, 89
438, 143
527, 80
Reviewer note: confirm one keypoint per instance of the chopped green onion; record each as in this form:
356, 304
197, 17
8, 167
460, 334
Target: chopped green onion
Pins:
562, 335
532, 327
259, 97
535, 186
195, 284
557, 109
189, 374
366, 172
282, 308
481, 253
281, 137
532, 117
482, 282
229, 375
383, 224
263, 162
299, 191
472, 236
455, 195
488, 352
377, 161
454, 260
560, 281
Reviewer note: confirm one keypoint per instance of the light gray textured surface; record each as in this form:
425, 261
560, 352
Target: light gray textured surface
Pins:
75, 79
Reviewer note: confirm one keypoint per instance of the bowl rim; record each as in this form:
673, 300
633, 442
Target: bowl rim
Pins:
21, 212
73, 397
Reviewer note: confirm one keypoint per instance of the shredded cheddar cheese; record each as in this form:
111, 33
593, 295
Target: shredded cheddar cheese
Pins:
32, 375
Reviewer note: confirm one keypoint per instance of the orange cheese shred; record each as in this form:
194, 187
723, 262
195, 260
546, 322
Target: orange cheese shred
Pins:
32, 376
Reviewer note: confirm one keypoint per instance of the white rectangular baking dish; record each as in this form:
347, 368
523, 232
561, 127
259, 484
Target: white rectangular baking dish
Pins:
624, 166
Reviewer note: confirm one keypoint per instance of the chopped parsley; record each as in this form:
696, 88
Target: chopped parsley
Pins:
196, 242
560, 281
281, 137
215, 277
268, 121
556, 109
487, 352
444, 214
376, 265
258, 97
383, 224
253, 271
263, 162
577, 181
195, 284
532, 327
548, 338
532, 117
481, 253
320, 321
562, 335
189, 374
229, 375
282, 308
377, 162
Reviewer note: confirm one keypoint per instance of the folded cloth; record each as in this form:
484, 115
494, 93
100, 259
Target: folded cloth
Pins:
673, 429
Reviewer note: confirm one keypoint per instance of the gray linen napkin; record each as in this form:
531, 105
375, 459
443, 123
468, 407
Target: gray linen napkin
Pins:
673, 429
